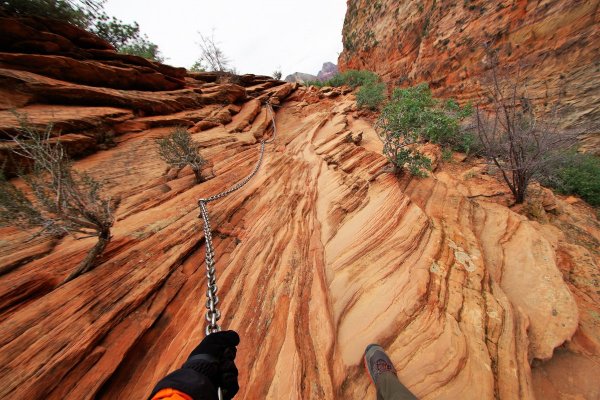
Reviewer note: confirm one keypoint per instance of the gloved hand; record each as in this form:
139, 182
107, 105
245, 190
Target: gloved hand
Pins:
209, 366
215, 357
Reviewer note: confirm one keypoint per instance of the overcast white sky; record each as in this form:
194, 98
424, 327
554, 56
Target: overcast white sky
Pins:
258, 36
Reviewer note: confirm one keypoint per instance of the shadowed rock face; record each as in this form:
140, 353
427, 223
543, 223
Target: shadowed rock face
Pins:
554, 44
317, 257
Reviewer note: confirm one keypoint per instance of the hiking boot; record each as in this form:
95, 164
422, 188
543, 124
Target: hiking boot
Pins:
377, 362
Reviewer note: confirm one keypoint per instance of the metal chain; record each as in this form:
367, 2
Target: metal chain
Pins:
213, 314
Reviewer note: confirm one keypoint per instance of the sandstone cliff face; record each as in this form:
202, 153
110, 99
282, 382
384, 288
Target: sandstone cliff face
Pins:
317, 257
555, 43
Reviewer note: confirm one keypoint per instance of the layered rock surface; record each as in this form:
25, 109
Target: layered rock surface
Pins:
317, 256
552, 45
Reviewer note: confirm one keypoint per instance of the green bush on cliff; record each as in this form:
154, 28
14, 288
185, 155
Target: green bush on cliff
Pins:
352, 78
575, 173
126, 38
371, 92
143, 48
370, 96
355, 78
413, 116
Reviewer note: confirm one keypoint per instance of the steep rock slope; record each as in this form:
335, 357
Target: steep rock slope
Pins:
317, 257
554, 43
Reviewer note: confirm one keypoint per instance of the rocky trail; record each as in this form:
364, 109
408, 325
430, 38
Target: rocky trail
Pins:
317, 256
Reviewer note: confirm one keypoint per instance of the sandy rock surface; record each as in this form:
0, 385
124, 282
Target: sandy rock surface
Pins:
317, 256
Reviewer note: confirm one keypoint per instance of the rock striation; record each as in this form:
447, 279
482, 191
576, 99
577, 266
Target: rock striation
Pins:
318, 256
554, 45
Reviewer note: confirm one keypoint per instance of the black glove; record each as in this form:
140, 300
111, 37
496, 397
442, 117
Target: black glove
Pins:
219, 350
209, 366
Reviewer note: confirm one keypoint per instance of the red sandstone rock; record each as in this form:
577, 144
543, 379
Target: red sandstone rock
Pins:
202, 126
556, 44
34, 34
75, 145
92, 73
245, 117
451, 268
64, 119
31, 87
182, 118
315, 259
43, 36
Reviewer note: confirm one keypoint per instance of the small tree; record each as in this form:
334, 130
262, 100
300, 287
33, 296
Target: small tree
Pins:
198, 66
126, 38
59, 200
519, 139
413, 116
211, 55
142, 47
179, 150
277, 74
115, 31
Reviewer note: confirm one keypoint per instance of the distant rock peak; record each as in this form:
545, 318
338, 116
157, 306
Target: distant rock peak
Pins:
328, 71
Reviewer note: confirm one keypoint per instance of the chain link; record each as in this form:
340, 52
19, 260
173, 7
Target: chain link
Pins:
212, 300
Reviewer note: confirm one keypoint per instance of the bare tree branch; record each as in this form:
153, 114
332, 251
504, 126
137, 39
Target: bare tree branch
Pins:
211, 55
519, 139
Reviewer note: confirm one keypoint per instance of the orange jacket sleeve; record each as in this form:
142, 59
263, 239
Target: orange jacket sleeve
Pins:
171, 394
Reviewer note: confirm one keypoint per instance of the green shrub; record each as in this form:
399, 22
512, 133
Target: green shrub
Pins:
371, 93
179, 150
370, 96
415, 161
353, 78
316, 83
447, 154
143, 48
575, 174
441, 120
198, 66
336, 81
413, 116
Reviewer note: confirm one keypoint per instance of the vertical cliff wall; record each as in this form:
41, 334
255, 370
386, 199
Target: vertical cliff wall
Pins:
556, 44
